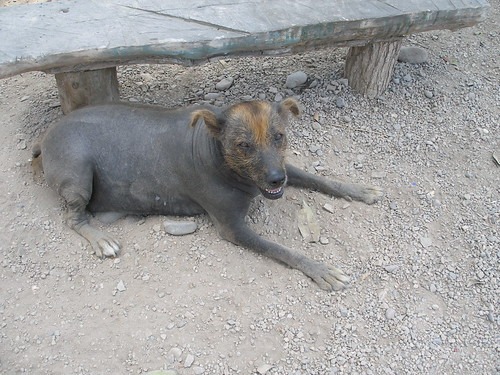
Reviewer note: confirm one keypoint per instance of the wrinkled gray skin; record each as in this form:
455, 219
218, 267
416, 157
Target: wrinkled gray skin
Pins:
149, 160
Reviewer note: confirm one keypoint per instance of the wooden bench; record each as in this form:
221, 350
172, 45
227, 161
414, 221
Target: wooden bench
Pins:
82, 41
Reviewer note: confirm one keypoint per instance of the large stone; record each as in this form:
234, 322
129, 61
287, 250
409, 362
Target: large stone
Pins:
413, 55
296, 79
179, 228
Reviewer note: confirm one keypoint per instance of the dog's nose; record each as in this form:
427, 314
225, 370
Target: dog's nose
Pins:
276, 178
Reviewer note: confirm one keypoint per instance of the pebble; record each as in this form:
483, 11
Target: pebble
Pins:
390, 313
211, 96
391, 268
188, 362
198, 370
413, 55
162, 372
379, 174
407, 78
263, 369
21, 145
340, 102
428, 94
425, 241
296, 79
324, 240
329, 208
121, 286
224, 84
344, 82
175, 355
179, 228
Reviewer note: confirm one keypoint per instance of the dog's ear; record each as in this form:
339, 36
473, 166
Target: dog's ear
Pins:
289, 105
211, 121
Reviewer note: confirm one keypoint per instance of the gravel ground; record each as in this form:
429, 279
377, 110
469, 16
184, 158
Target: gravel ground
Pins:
424, 260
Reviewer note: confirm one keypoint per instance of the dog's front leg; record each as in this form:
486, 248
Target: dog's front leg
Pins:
327, 277
349, 191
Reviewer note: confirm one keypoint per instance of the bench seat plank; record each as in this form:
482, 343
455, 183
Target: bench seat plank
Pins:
77, 35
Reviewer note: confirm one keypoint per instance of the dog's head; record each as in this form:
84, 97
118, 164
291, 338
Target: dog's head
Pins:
253, 139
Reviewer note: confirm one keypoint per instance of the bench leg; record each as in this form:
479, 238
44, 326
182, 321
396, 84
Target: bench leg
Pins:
78, 89
369, 68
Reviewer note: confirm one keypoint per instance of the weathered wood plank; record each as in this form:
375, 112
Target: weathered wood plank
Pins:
74, 35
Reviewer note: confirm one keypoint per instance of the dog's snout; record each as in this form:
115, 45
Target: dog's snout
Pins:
276, 178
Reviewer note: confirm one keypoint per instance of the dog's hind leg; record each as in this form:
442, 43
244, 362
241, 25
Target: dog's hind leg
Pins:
76, 191
349, 191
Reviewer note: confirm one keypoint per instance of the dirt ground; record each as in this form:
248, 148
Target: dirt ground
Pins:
423, 261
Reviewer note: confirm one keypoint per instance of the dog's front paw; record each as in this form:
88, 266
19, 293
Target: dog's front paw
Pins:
371, 194
364, 193
327, 277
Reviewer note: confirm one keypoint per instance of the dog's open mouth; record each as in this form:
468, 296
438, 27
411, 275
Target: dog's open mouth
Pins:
273, 193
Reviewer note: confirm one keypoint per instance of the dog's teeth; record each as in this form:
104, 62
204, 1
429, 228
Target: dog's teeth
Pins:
273, 191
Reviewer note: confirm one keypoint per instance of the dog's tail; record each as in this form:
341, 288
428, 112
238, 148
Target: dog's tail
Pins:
36, 161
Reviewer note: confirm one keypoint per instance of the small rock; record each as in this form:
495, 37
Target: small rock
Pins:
407, 78
428, 94
296, 79
344, 82
390, 313
278, 98
189, 361
162, 372
425, 241
340, 102
391, 268
224, 84
262, 369
198, 370
24, 98
329, 208
179, 228
324, 240
121, 286
174, 355
346, 118
413, 55
211, 96
308, 224
379, 174
22, 145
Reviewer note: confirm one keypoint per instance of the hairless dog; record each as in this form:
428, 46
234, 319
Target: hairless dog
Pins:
201, 159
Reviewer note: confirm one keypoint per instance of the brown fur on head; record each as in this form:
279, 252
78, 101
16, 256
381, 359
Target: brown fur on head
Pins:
253, 139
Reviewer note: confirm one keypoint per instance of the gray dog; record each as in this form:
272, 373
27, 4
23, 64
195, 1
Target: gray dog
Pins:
201, 159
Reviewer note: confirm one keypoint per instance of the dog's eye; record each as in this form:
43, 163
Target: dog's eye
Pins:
278, 136
243, 145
